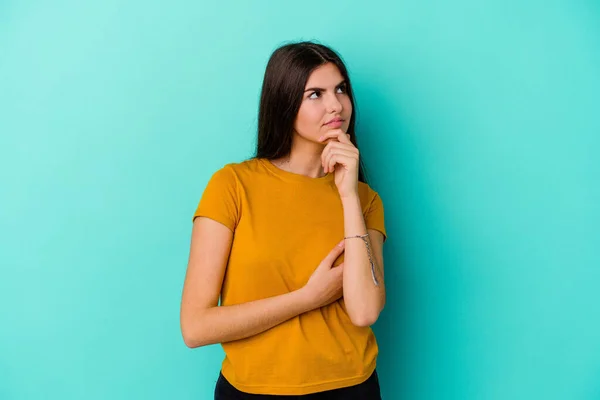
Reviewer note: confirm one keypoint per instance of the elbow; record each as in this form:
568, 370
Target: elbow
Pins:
195, 340
364, 320
191, 341
192, 337
364, 317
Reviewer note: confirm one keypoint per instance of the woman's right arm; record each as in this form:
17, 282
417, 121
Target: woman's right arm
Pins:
204, 322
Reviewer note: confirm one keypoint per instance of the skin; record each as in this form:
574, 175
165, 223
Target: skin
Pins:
318, 107
317, 149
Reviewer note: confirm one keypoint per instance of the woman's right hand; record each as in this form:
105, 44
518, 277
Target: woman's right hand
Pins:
325, 284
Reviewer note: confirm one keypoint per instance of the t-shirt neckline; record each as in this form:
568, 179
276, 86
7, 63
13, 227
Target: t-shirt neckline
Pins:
293, 176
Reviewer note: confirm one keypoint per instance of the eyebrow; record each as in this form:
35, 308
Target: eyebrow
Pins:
321, 89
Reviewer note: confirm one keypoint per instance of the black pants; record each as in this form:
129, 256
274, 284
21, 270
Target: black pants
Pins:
368, 390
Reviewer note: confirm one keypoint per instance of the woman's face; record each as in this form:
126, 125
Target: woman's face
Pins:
325, 104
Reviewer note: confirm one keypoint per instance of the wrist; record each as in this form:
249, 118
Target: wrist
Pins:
351, 198
305, 300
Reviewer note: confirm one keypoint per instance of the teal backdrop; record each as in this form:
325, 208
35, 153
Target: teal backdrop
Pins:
479, 123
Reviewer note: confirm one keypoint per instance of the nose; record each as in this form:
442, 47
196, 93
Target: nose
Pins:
333, 105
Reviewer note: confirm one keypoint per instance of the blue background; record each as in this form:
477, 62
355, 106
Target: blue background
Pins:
479, 124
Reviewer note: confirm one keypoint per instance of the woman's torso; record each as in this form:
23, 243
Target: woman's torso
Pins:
285, 225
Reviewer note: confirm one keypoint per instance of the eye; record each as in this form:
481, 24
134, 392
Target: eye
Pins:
342, 88
317, 93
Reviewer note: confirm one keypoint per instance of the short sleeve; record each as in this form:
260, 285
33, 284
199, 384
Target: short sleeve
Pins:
220, 201
374, 218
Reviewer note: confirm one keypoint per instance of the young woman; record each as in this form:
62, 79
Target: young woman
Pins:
291, 240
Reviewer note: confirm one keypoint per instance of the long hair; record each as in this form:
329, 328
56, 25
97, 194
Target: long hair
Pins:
285, 77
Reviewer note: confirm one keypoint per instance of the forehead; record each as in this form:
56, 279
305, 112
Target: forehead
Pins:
325, 75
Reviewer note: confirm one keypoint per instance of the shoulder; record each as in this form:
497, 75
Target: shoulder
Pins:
243, 167
367, 194
237, 170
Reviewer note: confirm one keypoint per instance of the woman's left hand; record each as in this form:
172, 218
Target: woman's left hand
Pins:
341, 157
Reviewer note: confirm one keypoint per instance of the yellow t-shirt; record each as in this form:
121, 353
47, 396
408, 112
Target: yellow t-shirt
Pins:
284, 224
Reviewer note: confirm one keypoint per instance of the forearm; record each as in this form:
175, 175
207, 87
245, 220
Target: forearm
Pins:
228, 323
363, 298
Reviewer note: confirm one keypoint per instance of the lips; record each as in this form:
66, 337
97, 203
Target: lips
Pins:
334, 121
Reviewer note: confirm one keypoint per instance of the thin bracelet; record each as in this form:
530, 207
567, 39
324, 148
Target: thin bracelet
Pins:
364, 238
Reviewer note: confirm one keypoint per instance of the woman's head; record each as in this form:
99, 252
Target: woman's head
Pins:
305, 86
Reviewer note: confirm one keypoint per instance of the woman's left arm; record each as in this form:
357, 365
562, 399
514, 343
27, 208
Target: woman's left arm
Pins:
364, 289
363, 298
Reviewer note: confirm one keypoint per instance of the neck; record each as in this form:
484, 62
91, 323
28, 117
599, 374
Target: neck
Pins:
304, 158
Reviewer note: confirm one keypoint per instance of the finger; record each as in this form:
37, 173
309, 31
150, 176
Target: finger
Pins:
339, 274
342, 151
346, 160
331, 146
345, 138
340, 145
337, 144
332, 162
338, 134
335, 252
329, 165
325, 154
